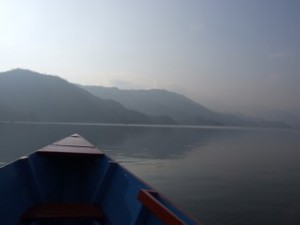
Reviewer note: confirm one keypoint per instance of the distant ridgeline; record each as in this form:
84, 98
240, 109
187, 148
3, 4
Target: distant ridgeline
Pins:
32, 97
180, 108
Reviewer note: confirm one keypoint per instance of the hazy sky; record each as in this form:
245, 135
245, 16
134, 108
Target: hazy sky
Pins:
231, 55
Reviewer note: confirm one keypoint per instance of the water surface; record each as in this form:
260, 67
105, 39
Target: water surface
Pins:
220, 175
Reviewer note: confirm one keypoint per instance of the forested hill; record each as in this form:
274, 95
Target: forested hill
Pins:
30, 96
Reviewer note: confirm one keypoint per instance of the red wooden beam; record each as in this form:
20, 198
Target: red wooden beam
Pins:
157, 208
73, 145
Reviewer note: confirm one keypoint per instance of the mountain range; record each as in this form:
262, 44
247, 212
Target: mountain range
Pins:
180, 108
29, 96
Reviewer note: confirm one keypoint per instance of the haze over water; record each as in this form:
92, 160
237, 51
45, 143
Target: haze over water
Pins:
221, 176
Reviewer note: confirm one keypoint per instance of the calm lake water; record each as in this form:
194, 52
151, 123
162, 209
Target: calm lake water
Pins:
222, 176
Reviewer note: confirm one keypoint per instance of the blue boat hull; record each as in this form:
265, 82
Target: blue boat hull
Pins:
74, 173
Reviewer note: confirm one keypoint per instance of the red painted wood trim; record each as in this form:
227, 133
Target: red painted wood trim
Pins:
157, 208
73, 145
55, 149
74, 139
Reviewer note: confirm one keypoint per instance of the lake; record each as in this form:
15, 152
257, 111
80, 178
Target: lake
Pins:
222, 176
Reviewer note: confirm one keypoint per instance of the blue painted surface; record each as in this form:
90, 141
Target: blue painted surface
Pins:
46, 178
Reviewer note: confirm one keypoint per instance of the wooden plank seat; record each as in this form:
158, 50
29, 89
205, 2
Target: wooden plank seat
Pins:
48, 211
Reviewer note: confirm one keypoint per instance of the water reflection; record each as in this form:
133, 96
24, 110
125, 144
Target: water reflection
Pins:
130, 141
222, 176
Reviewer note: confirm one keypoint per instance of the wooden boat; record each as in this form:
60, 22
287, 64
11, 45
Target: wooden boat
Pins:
72, 182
